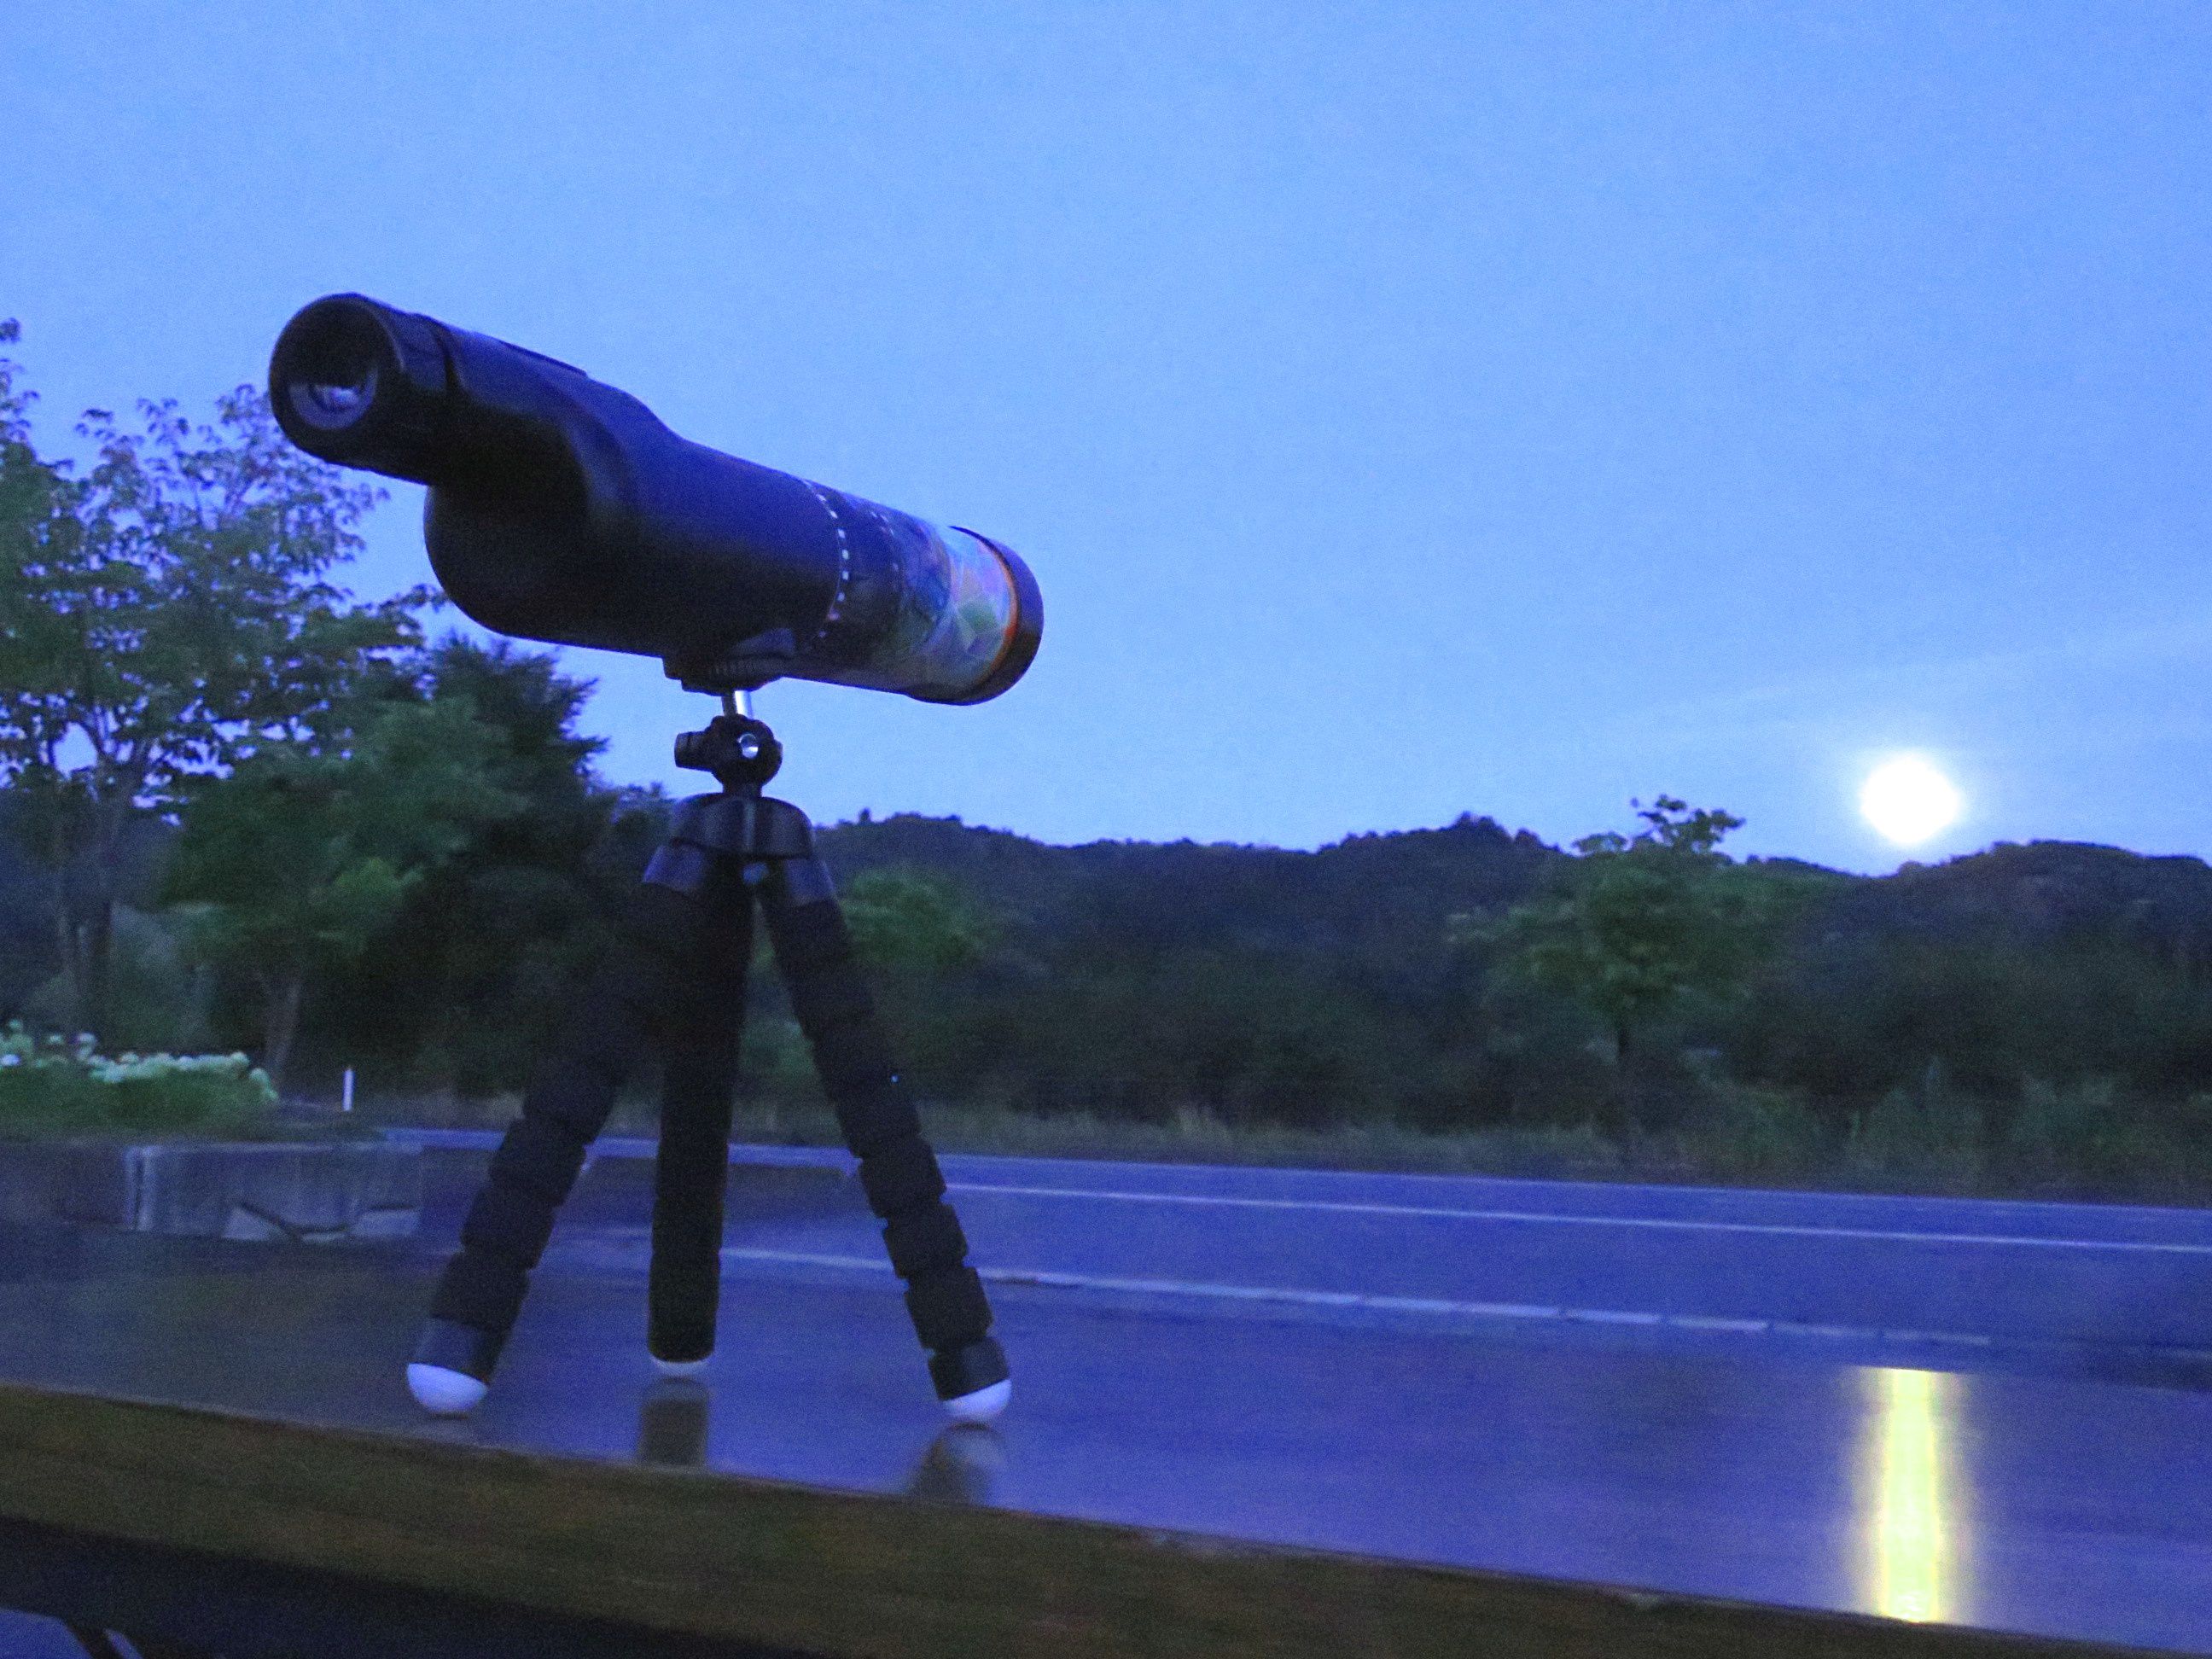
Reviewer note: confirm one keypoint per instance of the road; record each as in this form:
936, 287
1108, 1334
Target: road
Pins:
2119, 1290
1519, 1376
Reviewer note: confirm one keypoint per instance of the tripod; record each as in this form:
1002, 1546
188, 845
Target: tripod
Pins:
679, 979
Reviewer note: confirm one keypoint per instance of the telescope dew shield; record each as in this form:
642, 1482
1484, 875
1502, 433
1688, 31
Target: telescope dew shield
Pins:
561, 509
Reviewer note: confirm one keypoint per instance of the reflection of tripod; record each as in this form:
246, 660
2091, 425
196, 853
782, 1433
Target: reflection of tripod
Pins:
681, 979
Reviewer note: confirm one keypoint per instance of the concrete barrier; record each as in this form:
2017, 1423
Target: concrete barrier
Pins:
314, 1193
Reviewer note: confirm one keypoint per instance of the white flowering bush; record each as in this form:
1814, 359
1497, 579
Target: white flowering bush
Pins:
52, 1082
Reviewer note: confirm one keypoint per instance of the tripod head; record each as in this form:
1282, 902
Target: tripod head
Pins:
739, 752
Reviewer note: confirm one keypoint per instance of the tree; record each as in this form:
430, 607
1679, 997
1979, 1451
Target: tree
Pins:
163, 618
1635, 928
296, 861
904, 920
37, 527
469, 981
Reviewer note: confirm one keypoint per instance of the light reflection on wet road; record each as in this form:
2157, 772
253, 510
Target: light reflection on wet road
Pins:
2061, 1504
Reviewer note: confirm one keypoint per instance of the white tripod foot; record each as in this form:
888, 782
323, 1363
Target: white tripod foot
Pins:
984, 1405
444, 1393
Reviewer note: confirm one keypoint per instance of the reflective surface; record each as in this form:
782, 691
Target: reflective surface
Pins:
2067, 1505
1911, 1506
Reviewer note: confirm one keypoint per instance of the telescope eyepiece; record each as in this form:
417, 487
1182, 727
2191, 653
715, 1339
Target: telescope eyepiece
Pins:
335, 373
361, 383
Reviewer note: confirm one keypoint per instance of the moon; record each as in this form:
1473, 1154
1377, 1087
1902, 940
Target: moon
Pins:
1908, 801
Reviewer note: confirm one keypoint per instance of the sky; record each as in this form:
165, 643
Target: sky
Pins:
1407, 410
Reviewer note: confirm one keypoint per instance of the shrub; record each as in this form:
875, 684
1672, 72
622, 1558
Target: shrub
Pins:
50, 1085
1759, 1133
1932, 1135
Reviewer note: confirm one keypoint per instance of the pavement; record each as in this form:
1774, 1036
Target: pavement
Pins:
1985, 1414
2116, 1289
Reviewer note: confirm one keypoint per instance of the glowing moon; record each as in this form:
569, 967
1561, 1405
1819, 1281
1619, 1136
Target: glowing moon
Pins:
1908, 800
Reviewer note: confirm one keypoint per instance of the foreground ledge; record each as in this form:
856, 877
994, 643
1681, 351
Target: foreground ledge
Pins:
231, 1524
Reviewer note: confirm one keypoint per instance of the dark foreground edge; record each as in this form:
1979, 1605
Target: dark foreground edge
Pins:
254, 1537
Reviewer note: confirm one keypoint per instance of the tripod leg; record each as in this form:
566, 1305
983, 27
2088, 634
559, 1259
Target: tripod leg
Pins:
905, 1188
567, 1104
691, 1168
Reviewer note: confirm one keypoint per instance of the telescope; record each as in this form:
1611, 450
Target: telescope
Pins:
562, 509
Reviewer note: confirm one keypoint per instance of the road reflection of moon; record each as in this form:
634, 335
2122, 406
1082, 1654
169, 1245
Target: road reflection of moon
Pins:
1911, 1516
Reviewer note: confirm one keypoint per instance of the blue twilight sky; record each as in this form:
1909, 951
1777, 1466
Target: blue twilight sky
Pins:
1407, 409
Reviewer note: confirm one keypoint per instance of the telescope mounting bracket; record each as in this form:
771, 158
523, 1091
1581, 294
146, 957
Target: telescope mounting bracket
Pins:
745, 666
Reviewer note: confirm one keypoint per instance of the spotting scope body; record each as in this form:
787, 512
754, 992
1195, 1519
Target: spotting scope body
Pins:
562, 509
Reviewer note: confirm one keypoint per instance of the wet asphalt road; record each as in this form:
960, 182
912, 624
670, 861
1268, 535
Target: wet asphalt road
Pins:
1161, 1381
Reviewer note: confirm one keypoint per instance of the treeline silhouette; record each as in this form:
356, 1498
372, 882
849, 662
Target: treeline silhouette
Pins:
2034, 1016
241, 808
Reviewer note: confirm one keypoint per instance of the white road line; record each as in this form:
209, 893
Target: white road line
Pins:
1655, 1224
1179, 1287
801, 1158
1438, 1307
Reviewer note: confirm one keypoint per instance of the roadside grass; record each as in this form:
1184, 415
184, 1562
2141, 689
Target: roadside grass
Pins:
2079, 1144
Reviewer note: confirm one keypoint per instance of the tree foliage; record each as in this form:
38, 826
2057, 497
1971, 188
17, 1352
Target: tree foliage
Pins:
477, 967
907, 921
402, 856
1637, 927
166, 617
295, 861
